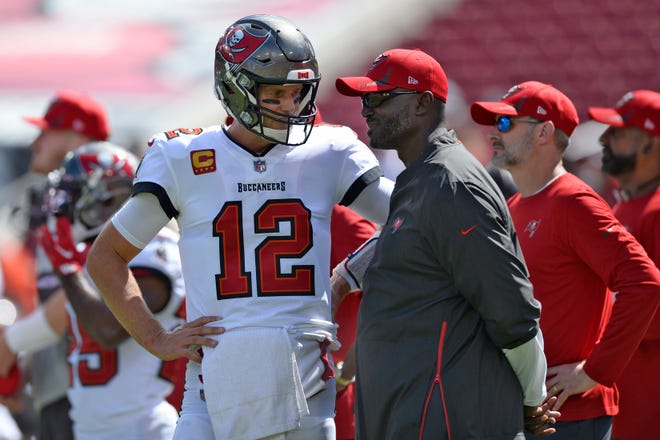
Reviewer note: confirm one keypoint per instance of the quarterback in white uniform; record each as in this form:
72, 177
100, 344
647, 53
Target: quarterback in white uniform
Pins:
253, 202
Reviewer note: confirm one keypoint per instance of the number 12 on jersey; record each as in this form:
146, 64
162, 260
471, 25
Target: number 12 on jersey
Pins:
234, 281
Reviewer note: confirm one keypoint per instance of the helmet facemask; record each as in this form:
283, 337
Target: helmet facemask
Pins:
93, 183
266, 50
100, 200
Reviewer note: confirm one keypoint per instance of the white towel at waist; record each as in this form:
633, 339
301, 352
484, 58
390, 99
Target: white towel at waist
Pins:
252, 385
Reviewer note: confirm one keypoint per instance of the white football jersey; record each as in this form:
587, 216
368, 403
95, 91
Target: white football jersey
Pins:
120, 392
255, 230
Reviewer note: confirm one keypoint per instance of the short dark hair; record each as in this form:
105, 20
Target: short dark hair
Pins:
440, 111
561, 139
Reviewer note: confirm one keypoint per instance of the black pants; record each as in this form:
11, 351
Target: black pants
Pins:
590, 429
54, 421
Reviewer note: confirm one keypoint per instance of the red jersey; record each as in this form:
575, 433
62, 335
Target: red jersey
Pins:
348, 231
639, 383
577, 254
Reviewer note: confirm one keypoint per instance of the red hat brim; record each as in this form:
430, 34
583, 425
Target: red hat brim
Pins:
605, 115
484, 113
359, 85
35, 120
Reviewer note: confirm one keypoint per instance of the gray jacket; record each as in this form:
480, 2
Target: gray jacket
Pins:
446, 291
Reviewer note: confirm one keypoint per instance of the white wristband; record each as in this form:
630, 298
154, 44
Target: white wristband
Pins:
353, 267
31, 333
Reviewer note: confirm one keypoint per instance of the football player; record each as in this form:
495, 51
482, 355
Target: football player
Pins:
253, 202
117, 389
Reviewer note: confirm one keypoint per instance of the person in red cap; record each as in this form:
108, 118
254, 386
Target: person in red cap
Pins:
577, 253
631, 154
72, 119
448, 341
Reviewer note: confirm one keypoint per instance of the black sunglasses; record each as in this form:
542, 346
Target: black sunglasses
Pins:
373, 100
505, 123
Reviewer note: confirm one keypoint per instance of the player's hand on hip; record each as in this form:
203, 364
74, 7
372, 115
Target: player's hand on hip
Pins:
566, 380
185, 340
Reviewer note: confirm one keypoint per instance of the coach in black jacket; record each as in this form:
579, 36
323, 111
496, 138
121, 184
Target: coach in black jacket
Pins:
448, 343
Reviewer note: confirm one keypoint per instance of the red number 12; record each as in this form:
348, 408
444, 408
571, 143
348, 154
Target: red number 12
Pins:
234, 281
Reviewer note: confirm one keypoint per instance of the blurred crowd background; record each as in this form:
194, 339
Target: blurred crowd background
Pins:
151, 61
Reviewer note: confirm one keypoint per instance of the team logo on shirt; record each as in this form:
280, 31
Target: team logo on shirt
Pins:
396, 224
202, 161
260, 166
531, 227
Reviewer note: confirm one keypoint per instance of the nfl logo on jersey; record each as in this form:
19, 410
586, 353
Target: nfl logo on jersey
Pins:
260, 166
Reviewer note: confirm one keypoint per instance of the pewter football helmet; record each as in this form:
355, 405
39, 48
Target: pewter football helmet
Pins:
266, 49
92, 183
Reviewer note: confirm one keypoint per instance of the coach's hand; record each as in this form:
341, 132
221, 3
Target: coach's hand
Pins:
539, 419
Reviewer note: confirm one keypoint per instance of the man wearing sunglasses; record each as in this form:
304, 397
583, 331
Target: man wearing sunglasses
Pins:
577, 253
631, 153
446, 348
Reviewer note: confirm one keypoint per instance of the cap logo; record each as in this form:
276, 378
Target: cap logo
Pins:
648, 124
379, 59
238, 44
412, 80
627, 97
511, 91
78, 125
541, 111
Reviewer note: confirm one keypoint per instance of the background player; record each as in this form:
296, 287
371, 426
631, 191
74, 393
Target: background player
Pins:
107, 368
72, 119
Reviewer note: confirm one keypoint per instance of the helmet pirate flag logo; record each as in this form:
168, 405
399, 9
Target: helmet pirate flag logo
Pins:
238, 44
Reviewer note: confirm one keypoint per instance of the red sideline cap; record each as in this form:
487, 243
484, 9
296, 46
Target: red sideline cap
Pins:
398, 68
75, 111
639, 108
531, 98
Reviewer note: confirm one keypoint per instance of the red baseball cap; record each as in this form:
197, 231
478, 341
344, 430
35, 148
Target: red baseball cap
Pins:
531, 98
71, 110
398, 68
639, 108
